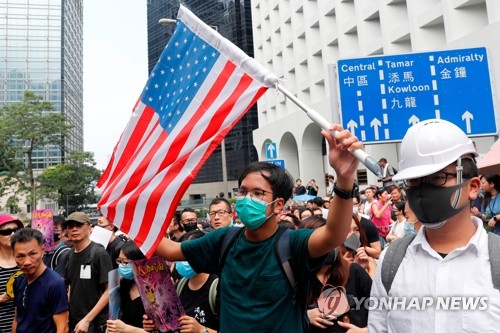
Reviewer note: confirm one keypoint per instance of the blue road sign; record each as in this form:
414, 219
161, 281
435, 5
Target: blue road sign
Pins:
381, 97
271, 151
280, 163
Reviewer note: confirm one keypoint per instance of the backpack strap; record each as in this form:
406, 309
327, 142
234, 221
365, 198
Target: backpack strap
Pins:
397, 250
55, 258
392, 259
284, 255
180, 285
212, 296
93, 250
283, 252
227, 242
494, 250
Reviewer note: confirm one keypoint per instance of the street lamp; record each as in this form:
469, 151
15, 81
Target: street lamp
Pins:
166, 21
67, 196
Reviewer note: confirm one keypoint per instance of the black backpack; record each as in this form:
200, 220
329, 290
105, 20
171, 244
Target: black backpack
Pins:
55, 257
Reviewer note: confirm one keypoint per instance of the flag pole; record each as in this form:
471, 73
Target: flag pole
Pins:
360, 154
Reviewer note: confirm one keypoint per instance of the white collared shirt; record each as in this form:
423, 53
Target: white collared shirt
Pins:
452, 284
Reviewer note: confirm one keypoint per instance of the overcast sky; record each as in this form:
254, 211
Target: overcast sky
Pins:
115, 70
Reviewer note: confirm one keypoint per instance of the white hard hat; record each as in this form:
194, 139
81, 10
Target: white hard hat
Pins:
430, 146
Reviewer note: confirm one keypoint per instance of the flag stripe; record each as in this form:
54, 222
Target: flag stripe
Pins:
130, 139
200, 88
136, 171
151, 241
133, 160
108, 172
131, 202
139, 135
219, 118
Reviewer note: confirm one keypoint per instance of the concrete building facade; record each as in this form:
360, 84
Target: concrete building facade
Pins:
301, 41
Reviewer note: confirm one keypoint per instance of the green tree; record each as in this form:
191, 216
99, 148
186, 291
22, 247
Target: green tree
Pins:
72, 183
24, 127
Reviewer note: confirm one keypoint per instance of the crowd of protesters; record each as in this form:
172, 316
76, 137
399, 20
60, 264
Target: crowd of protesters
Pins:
335, 251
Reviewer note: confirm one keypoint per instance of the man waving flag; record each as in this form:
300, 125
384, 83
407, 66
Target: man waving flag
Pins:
199, 89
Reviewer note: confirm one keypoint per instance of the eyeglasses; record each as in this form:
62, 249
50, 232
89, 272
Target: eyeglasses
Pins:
122, 261
255, 194
436, 179
8, 232
189, 221
219, 212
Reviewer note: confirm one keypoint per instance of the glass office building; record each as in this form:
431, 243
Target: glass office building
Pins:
233, 20
41, 48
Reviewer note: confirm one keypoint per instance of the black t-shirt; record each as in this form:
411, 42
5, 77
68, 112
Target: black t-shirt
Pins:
358, 285
132, 309
196, 304
87, 279
300, 190
370, 230
312, 191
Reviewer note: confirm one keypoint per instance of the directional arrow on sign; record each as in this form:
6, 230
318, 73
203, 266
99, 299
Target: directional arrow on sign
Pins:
351, 125
271, 150
375, 123
467, 116
413, 120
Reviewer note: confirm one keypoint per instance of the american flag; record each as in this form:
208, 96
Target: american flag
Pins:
200, 88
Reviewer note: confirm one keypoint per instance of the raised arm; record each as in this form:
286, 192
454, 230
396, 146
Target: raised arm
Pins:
379, 212
169, 250
339, 218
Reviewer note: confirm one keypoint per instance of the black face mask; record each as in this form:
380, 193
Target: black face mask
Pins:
190, 227
432, 204
57, 237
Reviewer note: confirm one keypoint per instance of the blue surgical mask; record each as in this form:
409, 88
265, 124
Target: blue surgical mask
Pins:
252, 212
126, 271
409, 228
184, 269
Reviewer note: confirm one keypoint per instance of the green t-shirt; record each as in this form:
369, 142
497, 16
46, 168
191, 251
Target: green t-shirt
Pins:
255, 293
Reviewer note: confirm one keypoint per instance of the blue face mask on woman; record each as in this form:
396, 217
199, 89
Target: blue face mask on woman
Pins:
409, 228
252, 212
126, 271
184, 269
